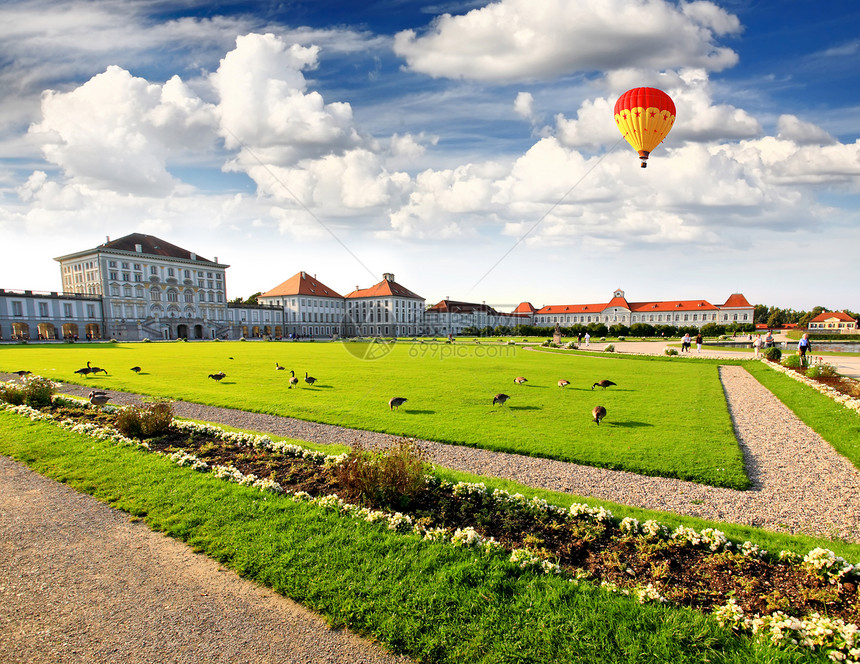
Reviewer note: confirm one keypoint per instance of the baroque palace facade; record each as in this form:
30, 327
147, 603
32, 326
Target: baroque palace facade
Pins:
141, 287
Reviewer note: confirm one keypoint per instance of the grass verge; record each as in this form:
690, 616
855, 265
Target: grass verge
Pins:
431, 601
838, 425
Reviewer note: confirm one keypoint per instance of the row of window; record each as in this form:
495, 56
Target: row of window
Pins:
650, 318
45, 311
172, 295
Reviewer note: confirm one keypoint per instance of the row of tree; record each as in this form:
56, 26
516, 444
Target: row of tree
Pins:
618, 330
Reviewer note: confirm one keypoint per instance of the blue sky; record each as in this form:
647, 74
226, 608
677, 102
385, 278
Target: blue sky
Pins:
469, 148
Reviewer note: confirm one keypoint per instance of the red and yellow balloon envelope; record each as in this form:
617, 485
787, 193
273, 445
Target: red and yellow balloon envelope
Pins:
644, 116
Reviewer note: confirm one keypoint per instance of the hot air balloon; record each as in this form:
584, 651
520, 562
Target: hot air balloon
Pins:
644, 116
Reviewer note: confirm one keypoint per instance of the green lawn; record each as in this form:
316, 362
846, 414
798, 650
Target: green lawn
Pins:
431, 601
666, 418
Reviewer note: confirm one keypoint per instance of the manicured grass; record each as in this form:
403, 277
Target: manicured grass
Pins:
431, 601
664, 418
836, 424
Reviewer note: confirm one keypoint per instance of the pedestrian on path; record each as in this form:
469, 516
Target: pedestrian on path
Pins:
699, 342
757, 344
587, 338
803, 347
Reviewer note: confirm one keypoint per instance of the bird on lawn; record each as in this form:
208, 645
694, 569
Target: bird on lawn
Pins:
218, 376
602, 383
98, 398
278, 367
598, 414
563, 383
136, 370
395, 402
310, 380
84, 371
293, 380
519, 380
97, 369
500, 399
22, 373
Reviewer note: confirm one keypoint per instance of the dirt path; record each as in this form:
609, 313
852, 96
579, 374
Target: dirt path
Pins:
80, 583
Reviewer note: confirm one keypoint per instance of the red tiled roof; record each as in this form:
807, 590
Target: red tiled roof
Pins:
828, 315
672, 305
618, 302
737, 300
459, 307
524, 308
302, 283
153, 246
382, 289
572, 309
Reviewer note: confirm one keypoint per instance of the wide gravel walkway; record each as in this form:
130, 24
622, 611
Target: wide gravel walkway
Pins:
800, 484
81, 583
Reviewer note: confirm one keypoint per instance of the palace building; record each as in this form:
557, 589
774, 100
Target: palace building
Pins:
142, 287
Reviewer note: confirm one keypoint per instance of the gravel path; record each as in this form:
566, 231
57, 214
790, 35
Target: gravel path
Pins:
800, 484
80, 583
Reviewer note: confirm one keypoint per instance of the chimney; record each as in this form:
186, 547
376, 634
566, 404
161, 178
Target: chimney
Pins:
193, 256
388, 276
138, 248
304, 276
107, 239
216, 259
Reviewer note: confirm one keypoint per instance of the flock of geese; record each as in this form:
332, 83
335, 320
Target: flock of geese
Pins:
597, 413
100, 397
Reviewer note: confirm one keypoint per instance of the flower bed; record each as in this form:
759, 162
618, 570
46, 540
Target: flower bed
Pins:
810, 601
842, 390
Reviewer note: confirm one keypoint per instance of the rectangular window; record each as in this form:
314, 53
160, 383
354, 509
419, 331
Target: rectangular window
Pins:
91, 311
67, 310
153, 269
170, 272
110, 264
17, 309
43, 309
125, 266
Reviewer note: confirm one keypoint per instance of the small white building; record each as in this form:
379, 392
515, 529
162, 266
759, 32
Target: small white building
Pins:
384, 309
311, 309
835, 322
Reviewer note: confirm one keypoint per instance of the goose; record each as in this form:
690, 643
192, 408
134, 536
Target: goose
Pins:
500, 399
519, 380
84, 371
98, 398
396, 402
278, 367
602, 383
598, 414
218, 376
136, 370
563, 383
97, 369
310, 380
22, 373
293, 380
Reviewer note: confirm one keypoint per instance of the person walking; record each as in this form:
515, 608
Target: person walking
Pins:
803, 347
686, 342
757, 344
587, 338
699, 342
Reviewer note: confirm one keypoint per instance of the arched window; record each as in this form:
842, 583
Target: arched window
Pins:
155, 295
189, 296
172, 296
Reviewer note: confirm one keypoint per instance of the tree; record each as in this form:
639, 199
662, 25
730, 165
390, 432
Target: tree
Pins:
775, 319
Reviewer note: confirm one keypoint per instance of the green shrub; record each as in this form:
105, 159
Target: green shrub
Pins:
147, 340
610, 348
390, 478
35, 391
12, 393
152, 419
822, 370
773, 354
791, 361
621, 338
671, 351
